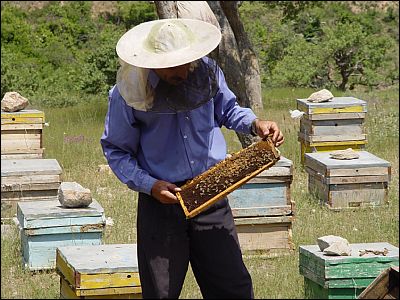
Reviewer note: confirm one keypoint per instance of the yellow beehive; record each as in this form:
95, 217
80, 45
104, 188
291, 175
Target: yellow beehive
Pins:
21, 134
98, 272
334, 125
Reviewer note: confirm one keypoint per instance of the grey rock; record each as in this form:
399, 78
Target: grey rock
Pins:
72, 194
334, 245
13, 101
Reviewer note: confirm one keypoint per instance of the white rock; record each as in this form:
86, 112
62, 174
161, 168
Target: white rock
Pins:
72, 194
320, 96
348, 153
296, 114
334, 245
13, 101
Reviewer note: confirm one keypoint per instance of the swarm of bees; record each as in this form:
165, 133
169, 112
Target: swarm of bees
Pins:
234, 171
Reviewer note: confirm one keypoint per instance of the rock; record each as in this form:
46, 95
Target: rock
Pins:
13, 101
105, 169
72, 194
334, 245
320, 96
344, 154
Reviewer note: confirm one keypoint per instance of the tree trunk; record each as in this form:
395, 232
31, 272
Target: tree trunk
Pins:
229, 60
248, 58
166, 9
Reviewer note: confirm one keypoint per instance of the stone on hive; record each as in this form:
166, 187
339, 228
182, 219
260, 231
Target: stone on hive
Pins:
72, 194
13, 101
334, 245
344, 154
320, 96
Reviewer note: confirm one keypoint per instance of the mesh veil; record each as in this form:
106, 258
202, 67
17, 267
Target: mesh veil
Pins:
199, 88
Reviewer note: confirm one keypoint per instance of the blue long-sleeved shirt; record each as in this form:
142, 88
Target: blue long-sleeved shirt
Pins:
143, 147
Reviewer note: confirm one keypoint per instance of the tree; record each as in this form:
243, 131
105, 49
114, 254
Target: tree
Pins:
234, 54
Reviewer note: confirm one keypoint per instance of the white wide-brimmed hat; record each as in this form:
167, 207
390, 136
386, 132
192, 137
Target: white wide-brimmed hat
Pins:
167, 43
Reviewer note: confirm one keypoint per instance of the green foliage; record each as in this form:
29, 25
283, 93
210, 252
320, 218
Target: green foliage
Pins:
60, 55
133, 13
323, 44
298, 68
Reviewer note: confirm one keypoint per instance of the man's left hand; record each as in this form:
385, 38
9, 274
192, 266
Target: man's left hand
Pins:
264, 128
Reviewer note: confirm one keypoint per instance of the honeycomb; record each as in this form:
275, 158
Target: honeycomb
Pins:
226, 176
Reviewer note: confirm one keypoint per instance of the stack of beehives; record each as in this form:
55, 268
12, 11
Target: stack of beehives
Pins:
264, 211
352, 178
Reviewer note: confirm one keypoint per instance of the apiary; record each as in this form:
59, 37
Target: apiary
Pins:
267, 194
98, 271
344, 277
226, 176
271, 236
333, 125
21, 134
27, 180
348, 183
46, 225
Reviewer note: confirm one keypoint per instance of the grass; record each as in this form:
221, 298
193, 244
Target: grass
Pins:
272, 277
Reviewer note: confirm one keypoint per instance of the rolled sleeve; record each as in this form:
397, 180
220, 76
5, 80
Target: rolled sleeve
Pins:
228, 112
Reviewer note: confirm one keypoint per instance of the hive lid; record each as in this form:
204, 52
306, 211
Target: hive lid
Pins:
37, 166
321, 161
28, 113
50, 213
94, 259
336, 105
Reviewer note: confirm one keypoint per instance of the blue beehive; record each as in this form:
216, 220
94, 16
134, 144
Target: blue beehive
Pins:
46, 225
267, 194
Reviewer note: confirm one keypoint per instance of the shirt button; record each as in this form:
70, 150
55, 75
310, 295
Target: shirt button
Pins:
192, 162
185, 136
187, 118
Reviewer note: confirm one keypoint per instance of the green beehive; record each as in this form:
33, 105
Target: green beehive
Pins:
344, 277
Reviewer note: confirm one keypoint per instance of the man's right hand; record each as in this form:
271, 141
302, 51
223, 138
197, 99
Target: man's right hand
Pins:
163, 192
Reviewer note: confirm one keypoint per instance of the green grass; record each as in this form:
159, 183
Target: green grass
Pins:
272, 277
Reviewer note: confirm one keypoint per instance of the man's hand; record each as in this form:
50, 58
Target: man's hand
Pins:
264, 128
163, 192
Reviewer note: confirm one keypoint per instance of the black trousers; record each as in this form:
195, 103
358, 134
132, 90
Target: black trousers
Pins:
167, 242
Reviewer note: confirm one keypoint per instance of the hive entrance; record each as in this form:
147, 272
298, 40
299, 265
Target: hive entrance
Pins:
226, 176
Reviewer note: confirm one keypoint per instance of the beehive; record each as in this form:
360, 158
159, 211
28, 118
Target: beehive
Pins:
343, 277
226, 176
348, 183
21, 134
385, 286
27, 180
270, 236
334, 125
267, 194
46, 225
98, 271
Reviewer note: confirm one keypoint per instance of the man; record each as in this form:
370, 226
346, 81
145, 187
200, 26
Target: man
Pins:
163, 128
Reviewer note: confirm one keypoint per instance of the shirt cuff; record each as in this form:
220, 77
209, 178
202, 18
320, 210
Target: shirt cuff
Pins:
147, 185
253, 130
